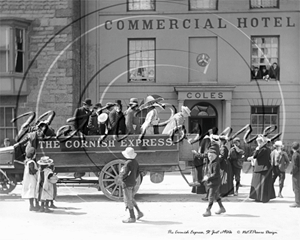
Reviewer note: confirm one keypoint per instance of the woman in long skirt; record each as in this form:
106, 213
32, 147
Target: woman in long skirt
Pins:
262, 188
226, 187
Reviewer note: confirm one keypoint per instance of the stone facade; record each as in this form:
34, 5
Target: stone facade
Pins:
53, 66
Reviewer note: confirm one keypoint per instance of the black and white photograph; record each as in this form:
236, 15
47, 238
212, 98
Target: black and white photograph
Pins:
151, 119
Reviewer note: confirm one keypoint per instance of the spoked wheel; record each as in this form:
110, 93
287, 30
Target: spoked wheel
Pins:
110, 181
7, 184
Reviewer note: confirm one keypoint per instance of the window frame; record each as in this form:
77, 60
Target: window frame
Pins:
277, 7
204, 9
13, 127
259, 125
271, 63
128, 60
141, 10
11, 75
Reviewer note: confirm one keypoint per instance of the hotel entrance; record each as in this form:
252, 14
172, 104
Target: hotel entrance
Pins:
203, 115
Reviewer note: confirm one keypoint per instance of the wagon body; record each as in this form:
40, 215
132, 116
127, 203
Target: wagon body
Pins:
156, 154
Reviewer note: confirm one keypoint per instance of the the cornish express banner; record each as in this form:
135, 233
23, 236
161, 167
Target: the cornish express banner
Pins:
93, 143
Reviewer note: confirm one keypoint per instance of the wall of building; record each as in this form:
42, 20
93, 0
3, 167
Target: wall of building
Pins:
172, 26
53, 74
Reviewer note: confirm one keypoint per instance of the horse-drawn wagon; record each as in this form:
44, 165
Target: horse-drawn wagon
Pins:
156, 154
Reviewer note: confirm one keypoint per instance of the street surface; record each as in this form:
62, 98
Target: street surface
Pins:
171, 212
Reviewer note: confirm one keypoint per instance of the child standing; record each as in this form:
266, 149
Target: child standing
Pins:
213, 179
30, 179
45, 190
129, 173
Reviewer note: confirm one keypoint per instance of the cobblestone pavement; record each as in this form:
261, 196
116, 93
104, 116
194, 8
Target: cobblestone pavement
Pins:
171, 212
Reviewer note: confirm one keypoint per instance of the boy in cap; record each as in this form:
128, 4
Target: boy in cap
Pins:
213, 179
129, 174
30, 179
296, 173
236, 155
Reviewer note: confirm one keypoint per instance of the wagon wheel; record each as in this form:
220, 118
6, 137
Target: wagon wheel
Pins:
7, 184
110, 181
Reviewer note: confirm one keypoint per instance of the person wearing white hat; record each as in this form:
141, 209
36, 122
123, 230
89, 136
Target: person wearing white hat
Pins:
45, 186
262, 188
151, 119
177, 119
129, 173
280, 162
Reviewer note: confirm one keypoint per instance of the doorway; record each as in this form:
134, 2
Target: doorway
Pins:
203, 114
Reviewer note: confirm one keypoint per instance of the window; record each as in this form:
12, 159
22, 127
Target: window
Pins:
142, 60
12, 49
141, 5
203, 4
262, 117
265, 57
264, 3
7, 129
13, 55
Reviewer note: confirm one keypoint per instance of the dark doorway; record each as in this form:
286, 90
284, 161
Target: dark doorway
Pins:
203, 114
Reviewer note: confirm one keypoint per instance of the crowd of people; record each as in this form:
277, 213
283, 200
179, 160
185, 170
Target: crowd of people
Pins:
269, 163
266, 74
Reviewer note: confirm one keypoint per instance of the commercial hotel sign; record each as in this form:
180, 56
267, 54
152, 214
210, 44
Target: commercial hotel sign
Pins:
196, 23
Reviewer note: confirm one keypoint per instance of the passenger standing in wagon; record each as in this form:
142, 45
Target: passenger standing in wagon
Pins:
129, 174
29, 183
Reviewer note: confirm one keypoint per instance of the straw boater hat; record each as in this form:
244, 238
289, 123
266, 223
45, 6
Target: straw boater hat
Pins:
45, 160
129, 153
102, 117
278, 144
186, 111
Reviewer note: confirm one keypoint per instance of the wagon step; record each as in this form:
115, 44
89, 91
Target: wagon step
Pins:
76, 180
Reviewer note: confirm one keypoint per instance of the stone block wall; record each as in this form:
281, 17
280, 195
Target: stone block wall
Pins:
53, 56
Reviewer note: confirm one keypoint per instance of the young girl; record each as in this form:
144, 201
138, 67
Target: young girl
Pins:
30, 179
46, 189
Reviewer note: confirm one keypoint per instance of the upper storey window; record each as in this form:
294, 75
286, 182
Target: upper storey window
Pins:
141, 5
264, 3
203, 4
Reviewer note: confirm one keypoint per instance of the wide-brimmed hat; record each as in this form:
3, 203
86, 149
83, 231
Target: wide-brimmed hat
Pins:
88, 102
109, 105
42, 123
278, 144
45, 160
102, 117
186, 111
133, 101
237, 139
129, 153
260, 137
